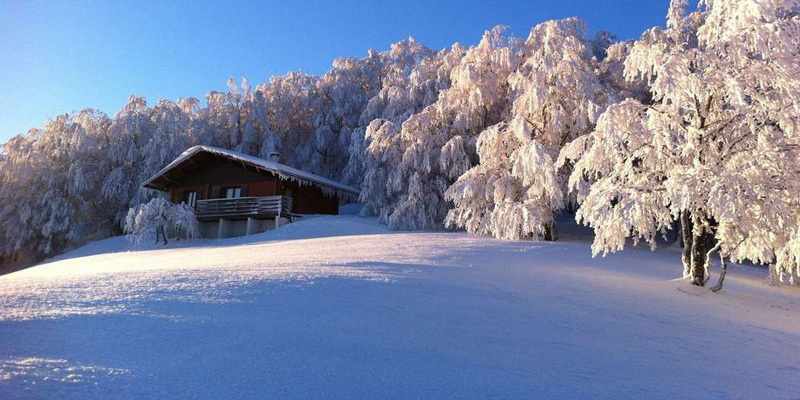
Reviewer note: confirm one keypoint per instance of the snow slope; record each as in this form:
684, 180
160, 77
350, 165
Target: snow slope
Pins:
338, 307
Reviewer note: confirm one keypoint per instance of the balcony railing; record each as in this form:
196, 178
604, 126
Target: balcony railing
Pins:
242, 207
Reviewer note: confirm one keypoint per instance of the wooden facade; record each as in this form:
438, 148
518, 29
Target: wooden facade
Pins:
211, 179
235, 194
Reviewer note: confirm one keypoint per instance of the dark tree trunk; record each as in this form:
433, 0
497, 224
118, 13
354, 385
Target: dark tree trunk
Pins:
116, 228
700, 247
550, 232
686, 243
695, 250
722, 265
161, 233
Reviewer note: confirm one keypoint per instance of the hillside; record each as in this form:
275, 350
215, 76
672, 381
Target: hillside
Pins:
340, 307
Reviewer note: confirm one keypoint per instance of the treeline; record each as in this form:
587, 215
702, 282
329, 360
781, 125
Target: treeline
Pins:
695, 124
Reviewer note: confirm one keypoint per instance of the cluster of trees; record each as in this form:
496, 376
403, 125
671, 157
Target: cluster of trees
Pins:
692, 127
75, 179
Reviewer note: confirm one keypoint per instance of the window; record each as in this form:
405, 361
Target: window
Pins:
190, 198
233, 192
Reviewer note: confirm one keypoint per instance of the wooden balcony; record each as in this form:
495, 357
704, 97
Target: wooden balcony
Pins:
243, 207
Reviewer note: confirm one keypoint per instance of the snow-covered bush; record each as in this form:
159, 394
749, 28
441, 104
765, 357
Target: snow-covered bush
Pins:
160, 218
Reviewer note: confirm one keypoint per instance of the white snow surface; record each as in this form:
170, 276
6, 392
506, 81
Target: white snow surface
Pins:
339, 307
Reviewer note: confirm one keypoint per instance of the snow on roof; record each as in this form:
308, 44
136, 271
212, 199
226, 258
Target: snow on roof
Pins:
284, 171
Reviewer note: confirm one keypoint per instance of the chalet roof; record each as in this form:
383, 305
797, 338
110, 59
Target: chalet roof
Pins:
161, 180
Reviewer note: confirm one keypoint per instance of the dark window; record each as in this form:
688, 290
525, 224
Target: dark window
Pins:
190, 198
233, 192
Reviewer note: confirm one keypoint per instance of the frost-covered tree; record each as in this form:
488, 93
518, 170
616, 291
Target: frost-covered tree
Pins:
341, 95
717, 146
76, 178
406, 87
291, 104
127, 136
787, 266
378, 148
236, 119
159, 218
516, 189
140, 141
46, 177
438, 142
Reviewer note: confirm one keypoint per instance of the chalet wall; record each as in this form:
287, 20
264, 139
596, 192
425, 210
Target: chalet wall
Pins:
208, 179
307, 199
220, 174
264, 188
177, 195
217, 172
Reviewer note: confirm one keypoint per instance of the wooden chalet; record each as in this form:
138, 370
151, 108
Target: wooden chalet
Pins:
234, 194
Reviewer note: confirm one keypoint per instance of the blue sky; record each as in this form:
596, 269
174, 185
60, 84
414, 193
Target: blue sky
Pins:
57, 57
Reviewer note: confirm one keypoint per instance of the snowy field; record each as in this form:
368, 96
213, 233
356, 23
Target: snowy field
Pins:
338, 307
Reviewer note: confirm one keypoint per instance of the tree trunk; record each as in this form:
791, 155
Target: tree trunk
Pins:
700, 246
550, 232
699, 253
116, 228
686, 243
161, 233
695, 249
723, 267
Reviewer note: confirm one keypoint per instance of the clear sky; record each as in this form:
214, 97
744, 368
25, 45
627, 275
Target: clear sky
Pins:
61, 56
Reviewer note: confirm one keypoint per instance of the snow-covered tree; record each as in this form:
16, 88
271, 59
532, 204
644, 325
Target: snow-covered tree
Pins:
127, 136
406, 88
378, 148
516, 189
787, 266
45, 179
707, 138
340, 95
717, 146
159, 218
291, 104
76, 178
438, 142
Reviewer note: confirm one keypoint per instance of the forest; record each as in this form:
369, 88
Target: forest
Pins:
694, 127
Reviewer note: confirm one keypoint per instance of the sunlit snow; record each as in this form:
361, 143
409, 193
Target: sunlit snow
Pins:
339, 307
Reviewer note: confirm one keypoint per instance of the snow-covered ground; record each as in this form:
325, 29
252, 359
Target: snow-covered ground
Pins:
338, 307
